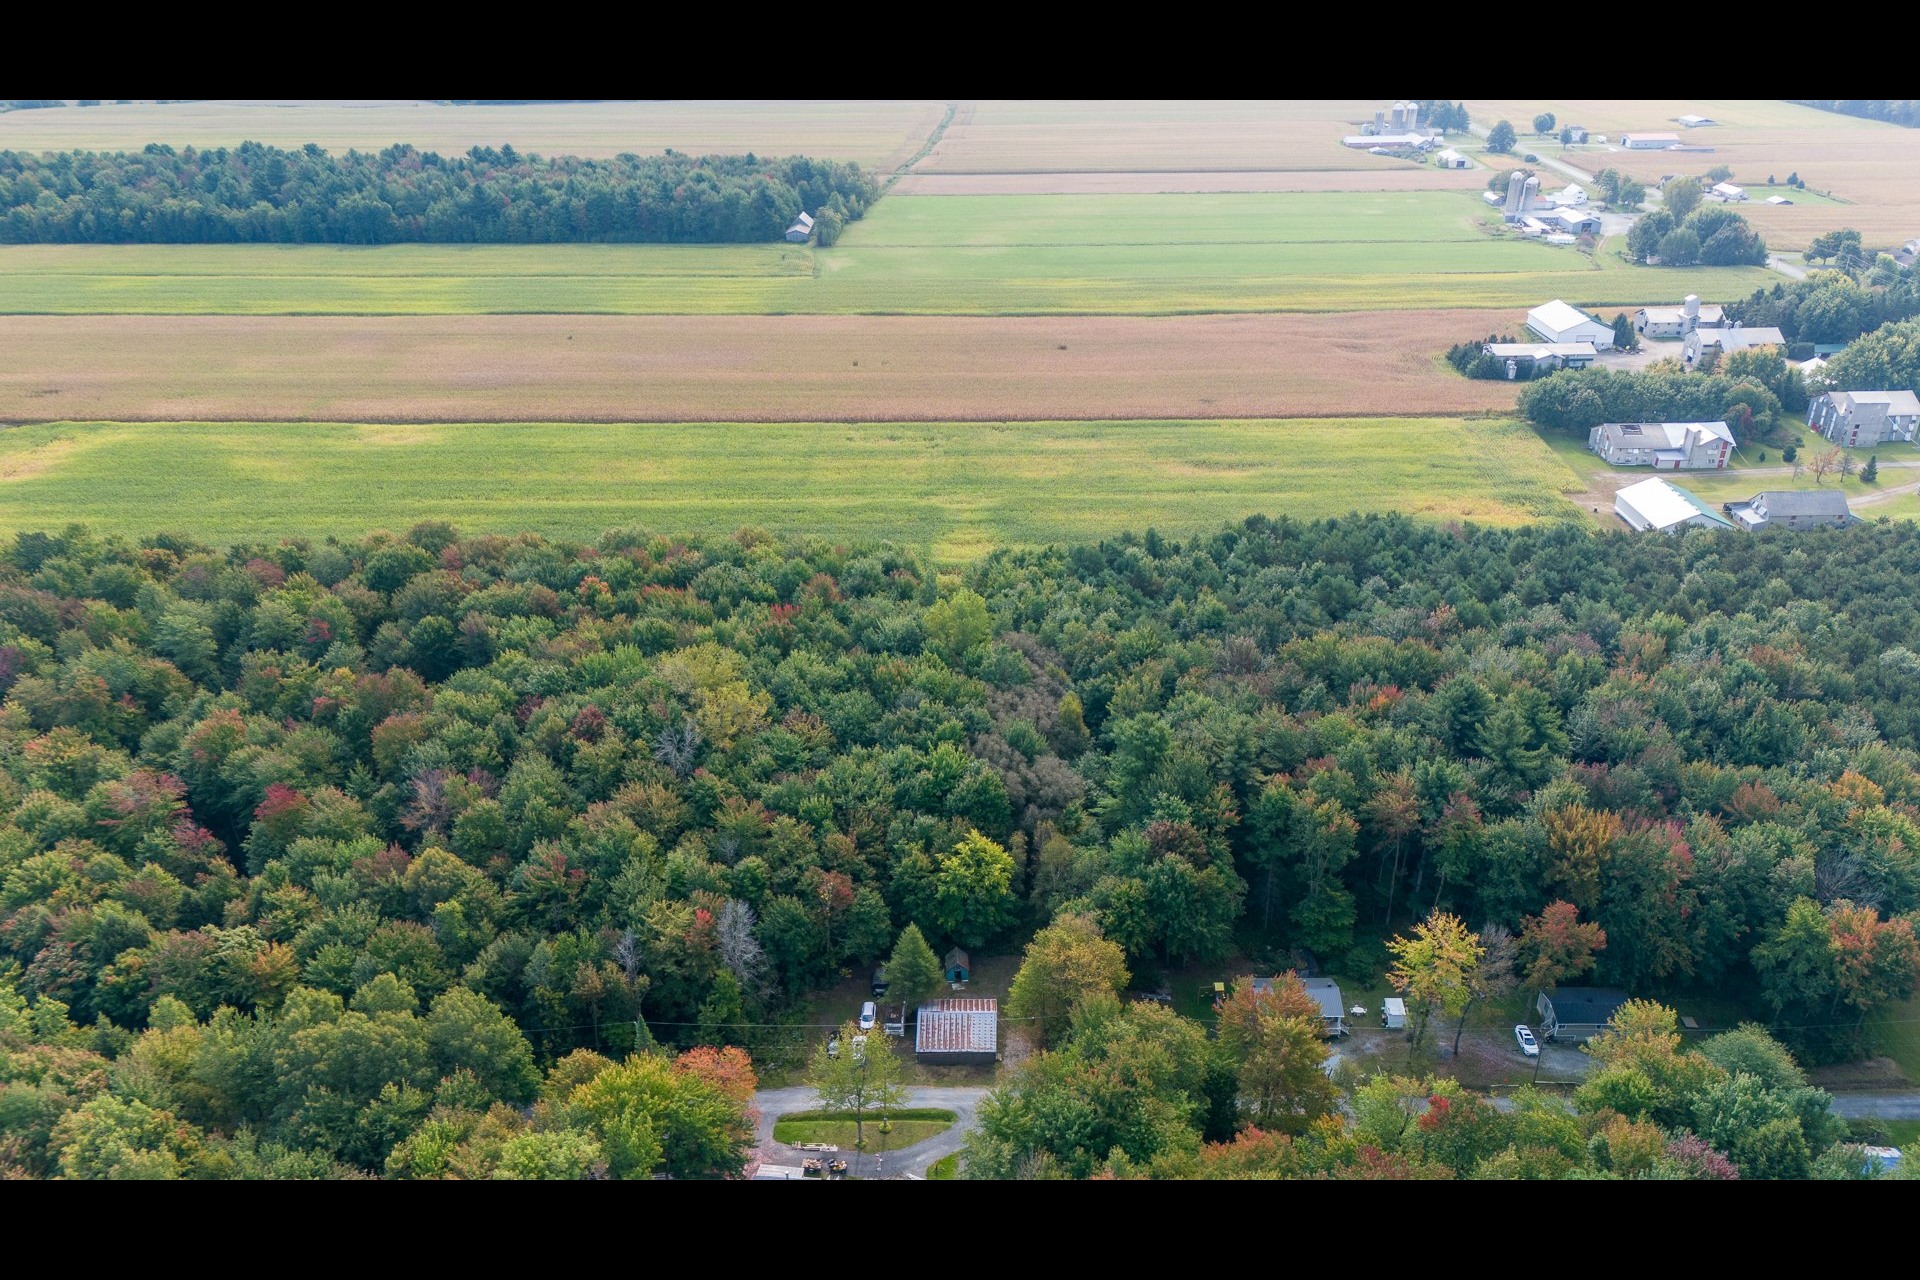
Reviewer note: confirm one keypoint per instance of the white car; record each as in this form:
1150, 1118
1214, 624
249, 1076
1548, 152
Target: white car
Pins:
867, 1015
860, 1049
1528, 1045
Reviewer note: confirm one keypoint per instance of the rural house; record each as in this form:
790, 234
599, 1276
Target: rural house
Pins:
1557, 322
1649, 141
1727, 191
1543, 355
1737, 338
962, 1032
958, 965
1864, 418
1678, 322
1333, 1011
1792, 509
1576, 133
1577, 1013
1655, 504
802, 228
1664, 446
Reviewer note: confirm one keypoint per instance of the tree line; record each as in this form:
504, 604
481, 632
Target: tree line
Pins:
1830, 306
1902, 111
323, 852
261, 194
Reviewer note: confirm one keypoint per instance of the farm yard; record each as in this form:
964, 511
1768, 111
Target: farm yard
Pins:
1869, 165
736, 368
959, 489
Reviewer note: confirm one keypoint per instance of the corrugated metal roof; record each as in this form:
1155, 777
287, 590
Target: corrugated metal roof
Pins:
958, 1026
1559, 317
1664, 505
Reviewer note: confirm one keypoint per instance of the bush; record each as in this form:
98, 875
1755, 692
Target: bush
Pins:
1789, 453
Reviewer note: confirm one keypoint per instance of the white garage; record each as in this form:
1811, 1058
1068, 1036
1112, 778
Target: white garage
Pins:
1558, 322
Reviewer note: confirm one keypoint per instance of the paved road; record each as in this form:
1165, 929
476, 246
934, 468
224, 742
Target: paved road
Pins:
914, 1160
1902, 1104
1786, 268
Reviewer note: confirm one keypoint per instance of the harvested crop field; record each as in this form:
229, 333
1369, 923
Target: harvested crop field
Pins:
769, 368
1129, 137
958, 489
1403, 176
878, 134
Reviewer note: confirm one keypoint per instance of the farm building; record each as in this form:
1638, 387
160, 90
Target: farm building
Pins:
1907, 254
958, 965
802, 228
1333, 1013
1649, 141
1696, 122
1792, 509
1734, 339
1387, 141
1678, 322
1493, 198
1778, 200
1557, 322
1547, 355
1572, 223
1864, 418
1655, 504
1577, 134
963, 1032
1664, 446
1577, 1013
1451, 159
1727, 191
1569, 196
778, 1173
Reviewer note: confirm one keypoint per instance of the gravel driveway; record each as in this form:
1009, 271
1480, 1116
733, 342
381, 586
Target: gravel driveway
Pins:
962, 1100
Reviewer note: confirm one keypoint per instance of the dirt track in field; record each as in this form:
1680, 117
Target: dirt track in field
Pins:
737, 368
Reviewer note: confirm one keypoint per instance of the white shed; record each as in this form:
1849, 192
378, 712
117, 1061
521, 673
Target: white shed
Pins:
1655, 504
1393, 1013
1558, 322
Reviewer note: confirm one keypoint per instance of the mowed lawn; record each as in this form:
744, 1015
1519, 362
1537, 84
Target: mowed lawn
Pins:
958, 489
1120, 254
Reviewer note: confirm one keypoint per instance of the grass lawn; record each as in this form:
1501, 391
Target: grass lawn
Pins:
960, 490
908, 1127
945, 1169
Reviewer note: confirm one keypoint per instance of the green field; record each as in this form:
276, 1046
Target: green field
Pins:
908, 1127
920, 255
957, 489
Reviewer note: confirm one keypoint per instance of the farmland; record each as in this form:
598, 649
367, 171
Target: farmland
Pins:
1153, 254
1870, 165
877, 134
959, 489
742, 368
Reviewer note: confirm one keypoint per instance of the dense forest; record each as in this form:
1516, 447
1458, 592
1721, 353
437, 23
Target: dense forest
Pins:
1892, 110
260, 194
324, 856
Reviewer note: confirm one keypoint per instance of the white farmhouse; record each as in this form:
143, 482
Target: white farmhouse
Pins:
1557, 322
1678, 322
1664, 446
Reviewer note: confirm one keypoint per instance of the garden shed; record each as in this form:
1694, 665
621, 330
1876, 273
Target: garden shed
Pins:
959, 965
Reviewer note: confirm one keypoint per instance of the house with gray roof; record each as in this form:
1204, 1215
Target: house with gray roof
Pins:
1544, 355
1792, 509
1731, 339
1664, 446
1862, 419
1678, 322
1577, 1013
1333, 1010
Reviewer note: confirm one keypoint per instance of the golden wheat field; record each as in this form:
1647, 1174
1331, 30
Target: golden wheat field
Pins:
882, 135
1403, 175
763, 368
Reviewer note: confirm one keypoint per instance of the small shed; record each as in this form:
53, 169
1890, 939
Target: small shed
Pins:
964, 1032
959, 966
779, 1173
1393, 1013
801, 229
1451, 159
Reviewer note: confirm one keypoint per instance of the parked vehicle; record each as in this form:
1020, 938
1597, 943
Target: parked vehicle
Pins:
833, 1044
880, 983
1528, 1045
860, 1049
868, 1012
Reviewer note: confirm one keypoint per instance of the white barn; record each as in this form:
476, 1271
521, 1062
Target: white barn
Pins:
1451, 159
1655, 504
1557, 322
1649, 141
